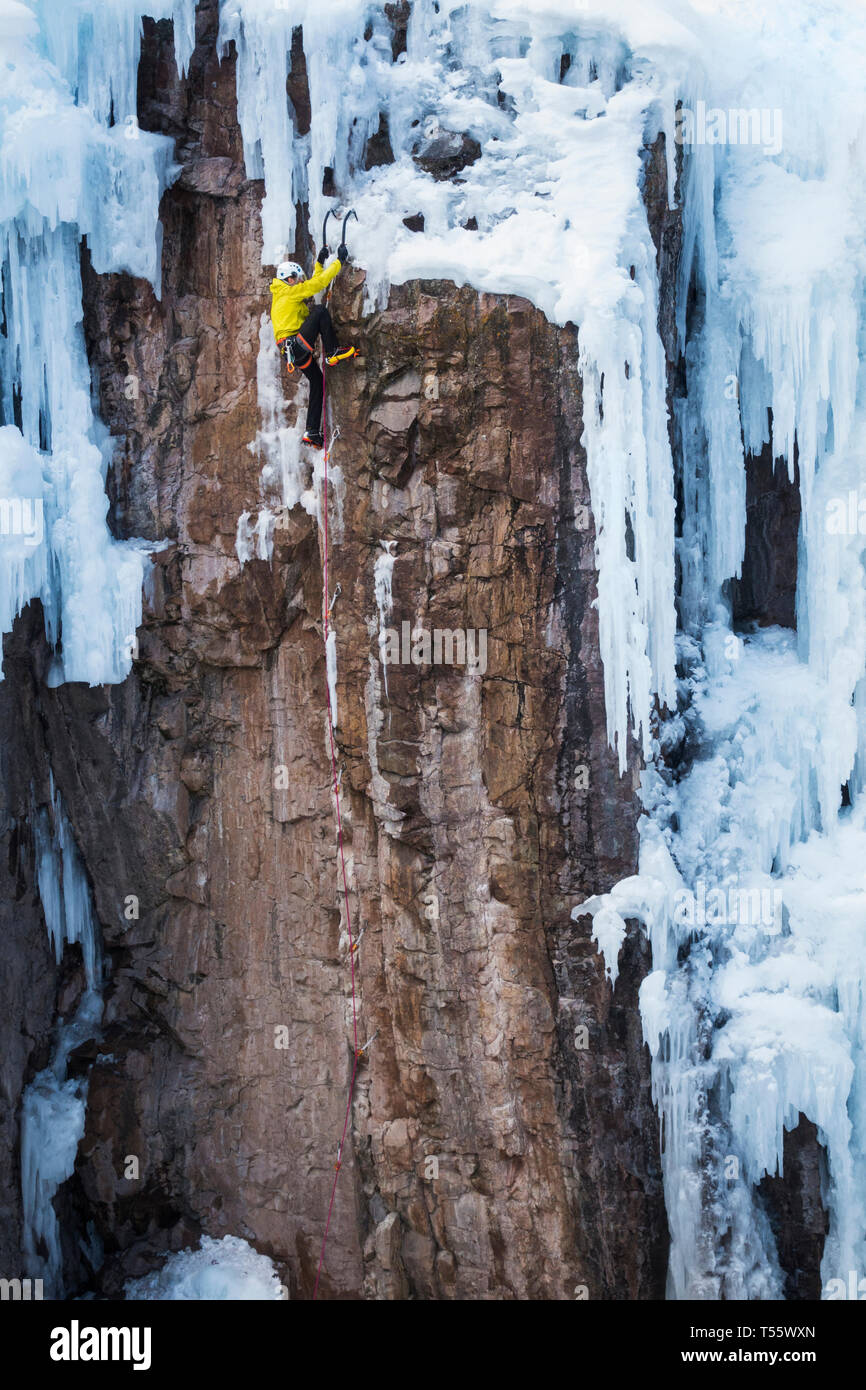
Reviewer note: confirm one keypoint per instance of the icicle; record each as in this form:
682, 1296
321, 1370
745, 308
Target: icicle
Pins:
65, 174
383, 572
769, 318
53, 1106
331, 663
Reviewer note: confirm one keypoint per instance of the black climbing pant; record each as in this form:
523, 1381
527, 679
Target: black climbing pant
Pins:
317, 323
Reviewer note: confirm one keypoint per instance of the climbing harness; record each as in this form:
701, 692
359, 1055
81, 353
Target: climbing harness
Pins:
296, 352
296, 357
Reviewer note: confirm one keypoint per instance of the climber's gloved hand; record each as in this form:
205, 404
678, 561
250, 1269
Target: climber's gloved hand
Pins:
343, 253
324, 254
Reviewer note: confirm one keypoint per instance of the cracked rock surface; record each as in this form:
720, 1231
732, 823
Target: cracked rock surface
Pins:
503, 1141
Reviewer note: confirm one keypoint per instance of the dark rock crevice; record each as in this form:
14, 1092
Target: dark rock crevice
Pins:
798, 1217
766, 592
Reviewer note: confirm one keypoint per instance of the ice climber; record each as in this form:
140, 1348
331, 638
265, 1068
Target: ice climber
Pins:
297, 327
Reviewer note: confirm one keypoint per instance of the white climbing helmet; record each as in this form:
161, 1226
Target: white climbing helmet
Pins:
286, 269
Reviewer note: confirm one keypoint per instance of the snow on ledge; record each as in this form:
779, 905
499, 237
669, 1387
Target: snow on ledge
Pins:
227, 1269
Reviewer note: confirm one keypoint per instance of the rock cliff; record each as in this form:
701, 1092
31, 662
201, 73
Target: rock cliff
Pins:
503, 1142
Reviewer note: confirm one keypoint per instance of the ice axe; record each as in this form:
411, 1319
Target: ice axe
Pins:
350, 213
342, 246
329, 213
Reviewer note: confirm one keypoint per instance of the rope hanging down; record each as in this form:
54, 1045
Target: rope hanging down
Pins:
326, 616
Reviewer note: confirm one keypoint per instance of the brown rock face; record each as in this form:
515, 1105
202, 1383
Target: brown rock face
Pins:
799, 1219
28, 979
767, 590
503, 1143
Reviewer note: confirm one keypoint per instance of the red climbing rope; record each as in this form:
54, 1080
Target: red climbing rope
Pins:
338, 1165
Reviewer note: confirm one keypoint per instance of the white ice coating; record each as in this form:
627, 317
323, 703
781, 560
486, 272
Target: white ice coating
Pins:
492, 70
244, 540
331, 665
67, 173
277, 443
749, 1025
779, 259
383, 575
762, 1017
768, 1022
255, 540
220, 1269
52, 1123
53, 1105
64, 890
74, 165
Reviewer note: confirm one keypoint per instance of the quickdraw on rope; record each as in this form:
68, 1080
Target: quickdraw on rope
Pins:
357, 1053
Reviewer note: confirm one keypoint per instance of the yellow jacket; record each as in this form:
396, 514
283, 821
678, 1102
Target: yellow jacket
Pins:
288, 309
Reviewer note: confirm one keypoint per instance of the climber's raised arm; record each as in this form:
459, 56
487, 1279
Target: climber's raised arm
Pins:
320, 278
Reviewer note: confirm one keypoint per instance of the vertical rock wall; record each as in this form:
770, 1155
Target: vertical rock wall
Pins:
503, 1142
